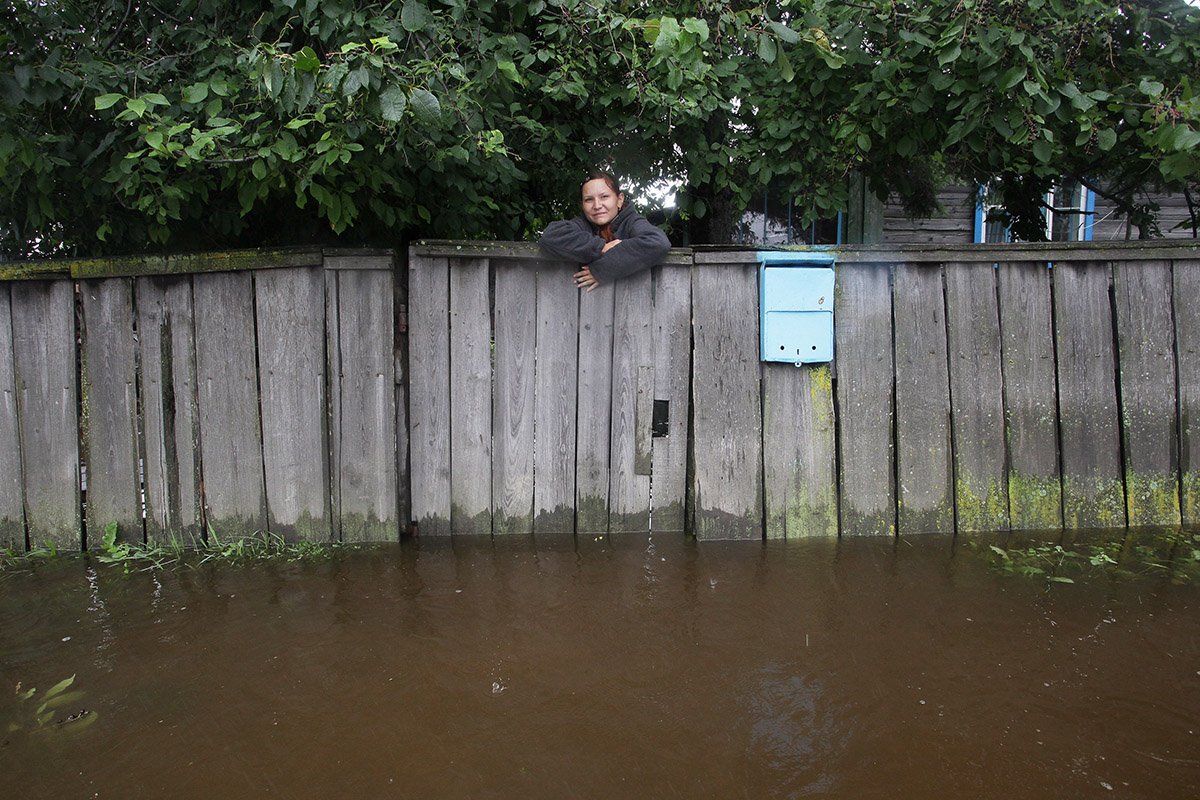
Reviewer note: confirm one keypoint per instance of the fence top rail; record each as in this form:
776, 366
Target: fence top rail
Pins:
715, 255
190, 263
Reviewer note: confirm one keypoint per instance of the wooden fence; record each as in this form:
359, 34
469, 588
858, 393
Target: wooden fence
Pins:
975, 388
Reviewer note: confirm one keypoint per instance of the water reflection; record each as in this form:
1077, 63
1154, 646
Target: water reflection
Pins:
623, 666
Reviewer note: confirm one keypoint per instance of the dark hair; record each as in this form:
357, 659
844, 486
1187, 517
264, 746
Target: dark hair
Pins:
601, 175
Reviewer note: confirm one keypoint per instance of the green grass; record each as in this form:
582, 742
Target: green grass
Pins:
1172, 554
178, 553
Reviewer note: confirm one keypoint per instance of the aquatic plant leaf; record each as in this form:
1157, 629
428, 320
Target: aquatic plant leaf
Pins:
58, 687
1060, 579
64, 699
77, 723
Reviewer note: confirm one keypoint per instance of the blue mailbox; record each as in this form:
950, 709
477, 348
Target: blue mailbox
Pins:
796, 306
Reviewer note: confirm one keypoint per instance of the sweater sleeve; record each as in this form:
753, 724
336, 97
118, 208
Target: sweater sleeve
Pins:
573, 240
642, 246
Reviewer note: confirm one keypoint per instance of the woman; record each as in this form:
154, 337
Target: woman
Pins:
610, 240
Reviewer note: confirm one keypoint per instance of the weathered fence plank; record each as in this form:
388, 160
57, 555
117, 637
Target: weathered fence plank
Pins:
512, 406
43, 328
12, 497
333, 398
1093, 489
593, 403
799, 464
290, 306
727, 483
923, 446
171, 433
1150, 422
110, 402
365, 472
865, 400
1030, 396
976, 398
429, 393
470, 398
672, 378
554, 406
632, 386
1186, 278
228, 408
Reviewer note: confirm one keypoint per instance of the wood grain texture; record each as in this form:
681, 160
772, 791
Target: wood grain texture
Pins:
1030, 396
12, 495
727, 483
429, 393
43, 328
110, 399
672, 377
1149, 415
865, 406
513, 403
366, 469
976, 398
554, 401
632, 385
290, 305
166, 338
333, 398
923, 444
1186, 278
799, 463
1093, 486
228, 409
594, 393
470, 398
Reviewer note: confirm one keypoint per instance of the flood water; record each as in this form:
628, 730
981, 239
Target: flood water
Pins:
636, 667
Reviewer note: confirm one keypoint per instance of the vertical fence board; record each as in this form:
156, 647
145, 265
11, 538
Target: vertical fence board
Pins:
1093, 489
632, 384
799, 469
43, 327
110, 401
727, 483
166, 337
333, 399
865, 408
594, 398
976, 398
429, 393
291, 375
227, 382
399, 346
926, 490
12, 498
1030, 396
1146, 342
1186, 277
470, 398
366, 470
512, 406
554, 394
672, 377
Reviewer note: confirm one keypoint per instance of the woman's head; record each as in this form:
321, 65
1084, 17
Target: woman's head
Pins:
601, 198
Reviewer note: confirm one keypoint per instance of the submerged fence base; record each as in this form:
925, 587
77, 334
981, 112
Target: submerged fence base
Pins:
311, 393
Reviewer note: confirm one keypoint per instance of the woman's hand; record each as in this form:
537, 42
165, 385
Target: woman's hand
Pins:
609, 246
584, 278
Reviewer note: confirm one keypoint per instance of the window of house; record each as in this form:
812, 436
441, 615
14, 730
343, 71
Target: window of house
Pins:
1071, 209
778, 222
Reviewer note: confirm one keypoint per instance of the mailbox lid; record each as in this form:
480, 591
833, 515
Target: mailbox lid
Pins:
796, 288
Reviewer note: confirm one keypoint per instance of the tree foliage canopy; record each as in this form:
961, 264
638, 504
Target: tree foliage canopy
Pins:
130, 125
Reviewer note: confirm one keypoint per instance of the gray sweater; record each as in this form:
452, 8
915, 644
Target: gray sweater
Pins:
642, 245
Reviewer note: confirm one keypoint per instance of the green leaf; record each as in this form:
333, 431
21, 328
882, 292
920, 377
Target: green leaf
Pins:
949, 55
766, 49
425, 105
1059, 579
108, 101
785, 67
392, 102
155, 99
785, 33
1151, 87
1106, 139
698, 27
1043, 151
58, 688
196, 93
1184, 138
415, 16
1012, 77
509, 70
668, 34
307, 61
258, 169
864, 142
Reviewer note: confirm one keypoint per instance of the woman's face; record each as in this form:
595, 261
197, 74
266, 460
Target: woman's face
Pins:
600, 202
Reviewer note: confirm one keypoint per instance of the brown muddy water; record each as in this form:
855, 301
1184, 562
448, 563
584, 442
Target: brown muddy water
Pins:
639, 667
